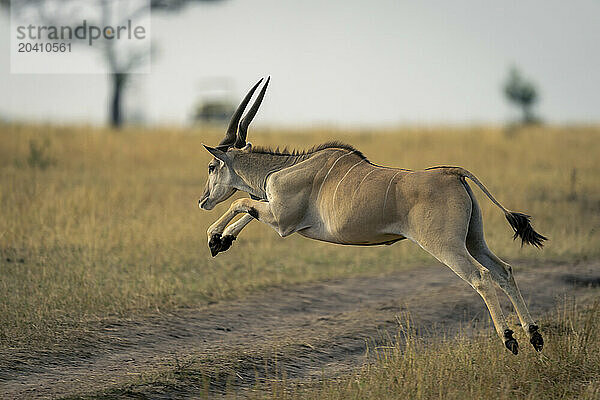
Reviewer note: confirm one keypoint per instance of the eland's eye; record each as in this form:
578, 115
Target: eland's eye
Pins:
211, 168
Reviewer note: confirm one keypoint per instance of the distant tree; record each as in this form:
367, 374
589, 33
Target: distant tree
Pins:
119, 63
522, 93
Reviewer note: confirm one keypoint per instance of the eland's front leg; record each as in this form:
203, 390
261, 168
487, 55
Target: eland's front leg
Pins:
220, 242
221, 236
216, 241
235, 228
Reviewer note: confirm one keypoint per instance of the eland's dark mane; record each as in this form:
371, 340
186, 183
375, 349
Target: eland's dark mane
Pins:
312, 150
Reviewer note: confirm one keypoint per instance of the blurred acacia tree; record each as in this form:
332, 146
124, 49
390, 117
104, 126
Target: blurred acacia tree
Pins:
523, 94
119, 64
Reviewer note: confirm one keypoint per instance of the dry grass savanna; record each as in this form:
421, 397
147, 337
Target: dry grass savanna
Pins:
472, 368
99, 226
405, 366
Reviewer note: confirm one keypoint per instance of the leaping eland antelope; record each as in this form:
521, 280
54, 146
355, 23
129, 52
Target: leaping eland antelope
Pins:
333, 193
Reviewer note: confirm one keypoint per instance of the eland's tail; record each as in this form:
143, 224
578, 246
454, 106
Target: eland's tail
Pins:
521, 223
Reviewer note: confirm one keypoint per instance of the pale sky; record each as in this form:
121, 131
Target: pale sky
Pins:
346, 62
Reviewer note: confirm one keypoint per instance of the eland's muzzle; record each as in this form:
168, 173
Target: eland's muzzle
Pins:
202, 203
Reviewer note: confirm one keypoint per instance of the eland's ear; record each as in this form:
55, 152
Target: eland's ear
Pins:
220, 154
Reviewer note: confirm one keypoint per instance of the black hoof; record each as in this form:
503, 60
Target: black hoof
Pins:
220, 243
510, 342
214, 244
226, 242
536, 339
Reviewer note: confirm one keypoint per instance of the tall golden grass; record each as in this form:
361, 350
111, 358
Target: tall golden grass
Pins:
463, 368
97, 223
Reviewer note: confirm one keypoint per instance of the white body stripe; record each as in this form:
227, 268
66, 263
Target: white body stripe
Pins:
387, 192
363, 179
345, 175
330, 169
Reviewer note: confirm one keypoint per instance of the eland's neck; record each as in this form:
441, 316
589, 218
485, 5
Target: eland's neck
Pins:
255, 168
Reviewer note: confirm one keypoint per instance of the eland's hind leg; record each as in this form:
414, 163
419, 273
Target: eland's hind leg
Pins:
443, 235
500, 272
459, 260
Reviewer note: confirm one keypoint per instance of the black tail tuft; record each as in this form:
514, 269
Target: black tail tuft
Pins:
523, 229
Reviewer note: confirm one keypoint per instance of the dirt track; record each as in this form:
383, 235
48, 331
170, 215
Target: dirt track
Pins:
313, 329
